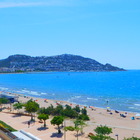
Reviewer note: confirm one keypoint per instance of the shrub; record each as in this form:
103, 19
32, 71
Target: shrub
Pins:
133, 138
77, 109
103, 130
70, 113
101, 137
3, 124
58, 110
84, 111
83, 117
70, 128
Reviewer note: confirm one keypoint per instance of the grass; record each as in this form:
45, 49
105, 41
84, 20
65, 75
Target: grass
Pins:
6, 126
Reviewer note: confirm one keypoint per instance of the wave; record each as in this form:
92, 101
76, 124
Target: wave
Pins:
3, 88
92, 99
34, 93
131, 107
43, 93
137, 104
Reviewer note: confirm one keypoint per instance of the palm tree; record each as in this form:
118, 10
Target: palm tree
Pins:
77, 129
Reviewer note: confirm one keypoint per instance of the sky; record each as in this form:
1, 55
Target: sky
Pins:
105, 30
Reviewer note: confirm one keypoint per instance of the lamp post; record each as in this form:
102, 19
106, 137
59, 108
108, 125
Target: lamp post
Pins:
117, 136
64, 131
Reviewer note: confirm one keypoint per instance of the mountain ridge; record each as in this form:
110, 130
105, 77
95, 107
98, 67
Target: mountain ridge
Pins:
64, 62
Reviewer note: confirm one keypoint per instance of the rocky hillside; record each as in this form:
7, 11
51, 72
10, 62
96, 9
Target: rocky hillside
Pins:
65, 62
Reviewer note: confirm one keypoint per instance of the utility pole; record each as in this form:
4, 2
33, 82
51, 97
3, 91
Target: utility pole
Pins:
64, 130
117, 136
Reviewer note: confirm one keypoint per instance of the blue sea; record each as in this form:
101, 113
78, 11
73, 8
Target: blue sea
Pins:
120, 89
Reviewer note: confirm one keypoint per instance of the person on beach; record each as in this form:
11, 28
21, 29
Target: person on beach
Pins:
28, 124
107, 102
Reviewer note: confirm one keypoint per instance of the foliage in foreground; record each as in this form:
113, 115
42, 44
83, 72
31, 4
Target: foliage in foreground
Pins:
68, 111
133, 138
6, 126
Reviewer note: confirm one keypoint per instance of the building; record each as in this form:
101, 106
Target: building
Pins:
11, 98
17, 135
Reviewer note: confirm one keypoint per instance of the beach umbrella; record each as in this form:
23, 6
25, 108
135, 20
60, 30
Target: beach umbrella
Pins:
108, 107
137, 115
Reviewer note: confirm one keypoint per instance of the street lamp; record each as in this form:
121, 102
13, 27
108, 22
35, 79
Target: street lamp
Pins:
117, 136
64, 130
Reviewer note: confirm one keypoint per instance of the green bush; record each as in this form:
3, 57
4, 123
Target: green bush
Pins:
49, 110
84, 111
133, 138
103, 130
83, 117
101, 137
58, 110
70, 113
70, 128
6, 126
77, 109
67, 112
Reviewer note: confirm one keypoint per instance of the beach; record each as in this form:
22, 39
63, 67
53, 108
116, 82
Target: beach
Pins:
123, 127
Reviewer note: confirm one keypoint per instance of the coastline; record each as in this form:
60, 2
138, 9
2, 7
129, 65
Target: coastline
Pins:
125, 127
65, 101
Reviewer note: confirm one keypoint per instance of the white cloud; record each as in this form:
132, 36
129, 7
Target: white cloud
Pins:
19, 4
26, 3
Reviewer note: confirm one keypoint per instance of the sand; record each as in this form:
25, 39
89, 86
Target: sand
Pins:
124, 127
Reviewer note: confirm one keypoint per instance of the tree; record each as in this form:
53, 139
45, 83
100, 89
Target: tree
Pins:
80, 123
31, 107
71, 128
103, 130
58, 110
77, 129
84, 111
3, 101
18, 106
57, 120
77, 109
43, 117
49, 110
68, 112
83, 117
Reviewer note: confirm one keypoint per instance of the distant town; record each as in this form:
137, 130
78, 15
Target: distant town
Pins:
64, 62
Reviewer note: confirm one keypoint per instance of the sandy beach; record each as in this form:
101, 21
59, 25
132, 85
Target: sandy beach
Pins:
124, 127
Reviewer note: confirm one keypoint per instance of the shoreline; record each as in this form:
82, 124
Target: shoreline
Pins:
26, 72
65, 101
125, 127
